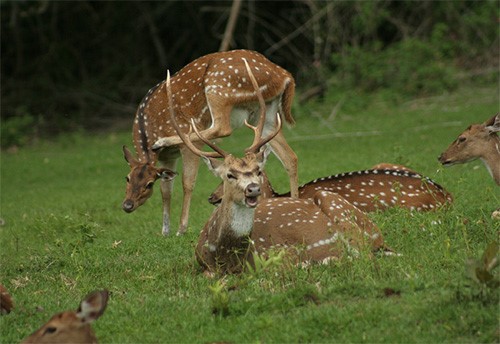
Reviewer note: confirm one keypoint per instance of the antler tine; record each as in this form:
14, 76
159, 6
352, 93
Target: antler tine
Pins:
258, 141
185, 138
221, 153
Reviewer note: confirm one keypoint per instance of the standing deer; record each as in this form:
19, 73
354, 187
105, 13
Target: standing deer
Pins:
313, 230
214, 92
73, 326
370, 190
477, 141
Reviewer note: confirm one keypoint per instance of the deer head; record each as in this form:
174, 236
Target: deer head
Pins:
472, 143
477, 141
140, 181
73, 326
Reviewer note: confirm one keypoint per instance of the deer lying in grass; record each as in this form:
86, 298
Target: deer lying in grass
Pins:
6, 303
478, 141
316, 229
369, 190
73, 326
214, 91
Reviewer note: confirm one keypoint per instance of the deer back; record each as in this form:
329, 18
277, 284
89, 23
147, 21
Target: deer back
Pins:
320, 228
370, 190
220, 76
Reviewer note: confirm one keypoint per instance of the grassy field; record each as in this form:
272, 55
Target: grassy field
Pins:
64, 234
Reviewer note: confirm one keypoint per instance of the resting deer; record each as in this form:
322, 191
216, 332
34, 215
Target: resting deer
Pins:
384, 186
216, 94
6, 303
477, 141
73, 326
316, 229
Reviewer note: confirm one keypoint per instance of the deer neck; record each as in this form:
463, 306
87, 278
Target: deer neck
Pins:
491, 159
233, 220
227, 238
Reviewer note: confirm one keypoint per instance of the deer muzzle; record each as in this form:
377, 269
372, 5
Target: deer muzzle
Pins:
128, 206
252, 193
444, 160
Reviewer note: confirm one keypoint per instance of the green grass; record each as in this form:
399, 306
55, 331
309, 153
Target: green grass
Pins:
65, 235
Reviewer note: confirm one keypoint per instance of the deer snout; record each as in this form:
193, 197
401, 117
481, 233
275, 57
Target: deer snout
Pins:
252, 190
442, 159
128, 205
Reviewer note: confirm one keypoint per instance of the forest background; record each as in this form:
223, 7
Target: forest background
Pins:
85, 65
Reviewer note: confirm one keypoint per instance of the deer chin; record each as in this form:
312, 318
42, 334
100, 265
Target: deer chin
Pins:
448, 163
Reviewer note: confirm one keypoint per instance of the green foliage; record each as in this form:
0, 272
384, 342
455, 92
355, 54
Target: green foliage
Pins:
17, 130
220, 298
410, 68
481, 271
262, 263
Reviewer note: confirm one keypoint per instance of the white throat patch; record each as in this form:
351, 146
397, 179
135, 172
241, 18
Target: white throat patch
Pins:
242, 220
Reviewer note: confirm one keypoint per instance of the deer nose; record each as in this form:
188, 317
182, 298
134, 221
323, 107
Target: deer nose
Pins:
252, 190
128, 205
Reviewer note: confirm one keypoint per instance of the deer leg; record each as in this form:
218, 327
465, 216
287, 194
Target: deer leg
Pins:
220, 127
190, 164
289, 160
166, 186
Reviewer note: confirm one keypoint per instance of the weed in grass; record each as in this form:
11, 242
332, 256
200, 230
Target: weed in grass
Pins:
220, 298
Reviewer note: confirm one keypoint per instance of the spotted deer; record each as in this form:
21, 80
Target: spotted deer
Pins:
216, 94
381, 187
73, 326
478, 141
316, 229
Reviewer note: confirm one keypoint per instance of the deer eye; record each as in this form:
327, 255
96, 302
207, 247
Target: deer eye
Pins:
49, 330
259, 173
150, 185
231, 176
461, 139
127, 179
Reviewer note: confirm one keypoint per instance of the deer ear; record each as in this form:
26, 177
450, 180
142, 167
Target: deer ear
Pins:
493, 125
129, 157
263, 154
165, 173
214, 165
93, 306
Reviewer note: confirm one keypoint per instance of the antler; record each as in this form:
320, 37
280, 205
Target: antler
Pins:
258, 141
219, 153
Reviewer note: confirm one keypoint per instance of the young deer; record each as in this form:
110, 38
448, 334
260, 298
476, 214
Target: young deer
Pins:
313, 230
73, 326
378, 188
477, 141
215, 93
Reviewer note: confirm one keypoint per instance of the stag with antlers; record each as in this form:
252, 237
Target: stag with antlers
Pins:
317, 229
